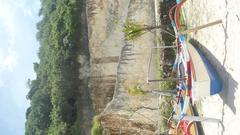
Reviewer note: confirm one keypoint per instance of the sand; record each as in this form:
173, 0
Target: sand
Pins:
221, 45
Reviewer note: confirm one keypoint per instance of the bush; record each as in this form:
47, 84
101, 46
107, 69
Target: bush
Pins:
132, 30
96, 128
135, 91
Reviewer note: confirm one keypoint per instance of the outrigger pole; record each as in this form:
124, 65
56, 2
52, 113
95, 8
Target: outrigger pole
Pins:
199, 119
201, 27
167, 79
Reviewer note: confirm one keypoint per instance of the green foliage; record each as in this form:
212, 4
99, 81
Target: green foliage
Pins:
133, 30
166, 105
166, 108
53, 94
96, 128
182, 21
134, 91
166, 85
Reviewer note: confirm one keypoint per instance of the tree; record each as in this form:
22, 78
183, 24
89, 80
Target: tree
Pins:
53, 93
134, 30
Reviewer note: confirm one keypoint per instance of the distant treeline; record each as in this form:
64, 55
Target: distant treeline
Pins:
53, 94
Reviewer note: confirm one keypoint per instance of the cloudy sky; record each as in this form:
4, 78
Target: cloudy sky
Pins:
18, 50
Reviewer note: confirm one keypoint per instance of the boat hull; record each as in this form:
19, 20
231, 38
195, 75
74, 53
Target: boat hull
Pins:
206, 81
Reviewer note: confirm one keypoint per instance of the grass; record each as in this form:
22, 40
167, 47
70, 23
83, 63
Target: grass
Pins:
166, 103
166, 109
96, 128
165, 106
135, 91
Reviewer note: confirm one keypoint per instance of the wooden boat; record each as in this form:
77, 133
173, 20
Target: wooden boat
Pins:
205, 80
201, 78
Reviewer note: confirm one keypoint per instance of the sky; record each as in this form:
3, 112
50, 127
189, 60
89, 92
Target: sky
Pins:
18, 51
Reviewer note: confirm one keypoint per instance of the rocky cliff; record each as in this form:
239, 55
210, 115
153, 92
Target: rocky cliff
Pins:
105, 22
118, 65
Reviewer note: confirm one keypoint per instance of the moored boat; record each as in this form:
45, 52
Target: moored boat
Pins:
205, 79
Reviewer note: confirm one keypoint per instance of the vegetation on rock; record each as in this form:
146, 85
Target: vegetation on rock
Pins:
134, 91
96, 128
133, 30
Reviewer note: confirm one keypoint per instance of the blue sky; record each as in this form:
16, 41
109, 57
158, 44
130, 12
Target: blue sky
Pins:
18, 50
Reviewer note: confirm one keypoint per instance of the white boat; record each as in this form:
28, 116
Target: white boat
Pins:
205, 80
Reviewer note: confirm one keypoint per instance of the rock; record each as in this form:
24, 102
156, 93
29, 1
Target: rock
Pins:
126, 114
105, 21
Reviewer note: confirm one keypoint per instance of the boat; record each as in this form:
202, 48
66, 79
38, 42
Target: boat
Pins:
197, 78
205, 79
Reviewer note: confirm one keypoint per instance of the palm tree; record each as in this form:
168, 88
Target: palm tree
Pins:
133, 30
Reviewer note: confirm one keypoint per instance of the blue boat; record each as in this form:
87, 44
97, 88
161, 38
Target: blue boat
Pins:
206, 81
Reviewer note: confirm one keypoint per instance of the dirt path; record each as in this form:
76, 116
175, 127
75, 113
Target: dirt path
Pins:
221, 45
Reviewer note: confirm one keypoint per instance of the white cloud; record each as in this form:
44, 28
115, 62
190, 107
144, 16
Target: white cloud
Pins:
7, 20
16, 49
27, 12
8, 56
8, 60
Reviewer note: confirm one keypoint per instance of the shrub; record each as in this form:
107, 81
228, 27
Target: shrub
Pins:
96, 128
